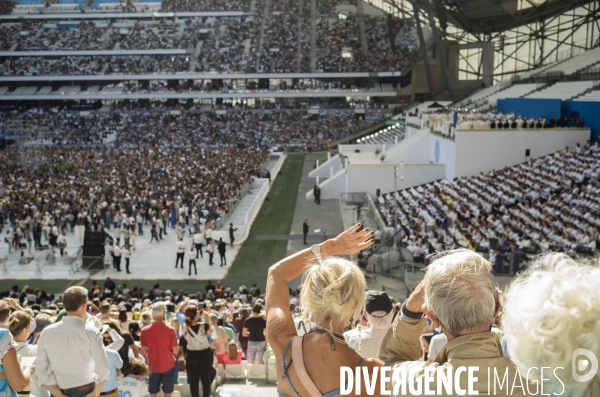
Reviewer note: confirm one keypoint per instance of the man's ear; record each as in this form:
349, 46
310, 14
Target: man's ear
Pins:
431, 315
499, 303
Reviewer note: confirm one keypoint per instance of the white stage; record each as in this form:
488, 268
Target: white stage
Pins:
423, 157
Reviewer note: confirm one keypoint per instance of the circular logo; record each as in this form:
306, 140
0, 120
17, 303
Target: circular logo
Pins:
437, 151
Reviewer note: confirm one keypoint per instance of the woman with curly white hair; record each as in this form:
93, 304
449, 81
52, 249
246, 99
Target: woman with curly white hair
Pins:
333, 292
552, 319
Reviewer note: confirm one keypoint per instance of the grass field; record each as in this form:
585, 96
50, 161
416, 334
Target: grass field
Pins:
254, 258
275, 217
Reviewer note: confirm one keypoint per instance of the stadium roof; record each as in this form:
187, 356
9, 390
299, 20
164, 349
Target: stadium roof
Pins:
490, 16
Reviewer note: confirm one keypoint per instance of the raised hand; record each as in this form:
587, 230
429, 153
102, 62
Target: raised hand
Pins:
351, 241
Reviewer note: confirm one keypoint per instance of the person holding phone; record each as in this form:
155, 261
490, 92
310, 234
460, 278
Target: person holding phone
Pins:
194, 344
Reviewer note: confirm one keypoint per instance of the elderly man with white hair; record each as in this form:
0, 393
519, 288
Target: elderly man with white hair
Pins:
551, 319
159, 343
458, 295
379, 312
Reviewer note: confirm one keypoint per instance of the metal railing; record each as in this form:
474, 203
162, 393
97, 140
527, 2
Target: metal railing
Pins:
23, 262
385, 258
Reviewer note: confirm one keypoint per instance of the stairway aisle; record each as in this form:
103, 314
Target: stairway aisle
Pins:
313, 36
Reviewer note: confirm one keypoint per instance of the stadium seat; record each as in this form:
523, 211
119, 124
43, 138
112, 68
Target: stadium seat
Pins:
257, 371
174, 394
235, 371
183, 389
271, 373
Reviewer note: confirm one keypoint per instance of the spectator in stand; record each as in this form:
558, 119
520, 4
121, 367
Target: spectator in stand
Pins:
436, 345
239, 326
21, 325
254, 330
220, 338
115, 363
86, 371
194, 344
458, 296
219, 289
551, 311
124, 348
379, 313
133, 384
109, 286
159, 345
234, 354
332, 294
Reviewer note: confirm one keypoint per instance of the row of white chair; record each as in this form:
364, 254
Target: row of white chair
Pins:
248, 371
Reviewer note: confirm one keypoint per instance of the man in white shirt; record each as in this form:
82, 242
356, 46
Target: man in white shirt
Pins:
180, 252
377, 236
117, 257
379, 313
127, 255
436, 345
208, 234
198, 240
86, 370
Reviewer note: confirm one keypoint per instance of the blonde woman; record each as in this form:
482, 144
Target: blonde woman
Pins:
234, 354
13, 378
333, 292
21, 325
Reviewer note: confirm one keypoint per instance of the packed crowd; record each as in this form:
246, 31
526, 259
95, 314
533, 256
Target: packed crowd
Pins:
548, 204
456, 310
65, 187
64, 66
87, 36
127, 326
57, 126
231, 46
227, 45
205, 5
328, 7
6, 7
160, 36
332, 37
129, 127
142, 64
10, 33
279, 53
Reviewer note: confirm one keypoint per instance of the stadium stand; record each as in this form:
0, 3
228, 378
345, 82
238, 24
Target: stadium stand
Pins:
576, 63
592, 96
283, 129
514, 91
564, 90
525, 207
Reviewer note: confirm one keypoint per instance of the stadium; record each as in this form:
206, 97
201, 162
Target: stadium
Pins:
243, 140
